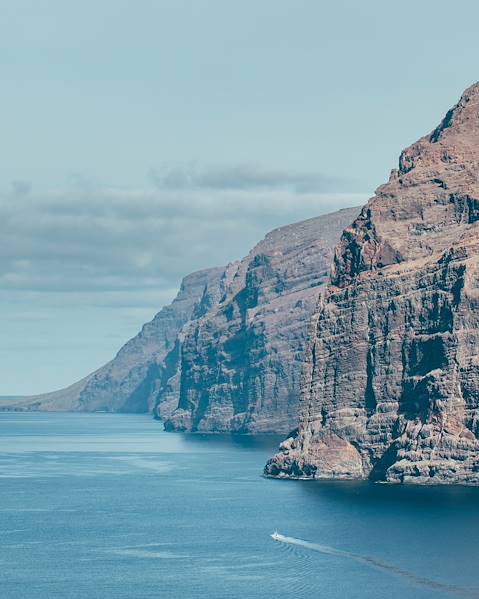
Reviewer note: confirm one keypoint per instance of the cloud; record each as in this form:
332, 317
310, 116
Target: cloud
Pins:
241, 177
21, 188
134, 242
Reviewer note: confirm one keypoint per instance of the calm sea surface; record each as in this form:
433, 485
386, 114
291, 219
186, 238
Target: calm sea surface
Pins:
109, 506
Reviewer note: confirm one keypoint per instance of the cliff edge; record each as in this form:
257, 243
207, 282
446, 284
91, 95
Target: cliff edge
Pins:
391, 385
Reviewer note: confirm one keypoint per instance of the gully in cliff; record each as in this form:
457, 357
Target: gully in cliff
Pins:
391, 377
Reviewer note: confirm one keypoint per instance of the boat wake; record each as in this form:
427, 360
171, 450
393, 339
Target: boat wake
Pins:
375, 563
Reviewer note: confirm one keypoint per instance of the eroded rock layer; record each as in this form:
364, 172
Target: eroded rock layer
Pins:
239, 367
391, 386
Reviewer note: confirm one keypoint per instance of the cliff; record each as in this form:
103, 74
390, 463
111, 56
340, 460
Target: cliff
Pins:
391, 385
130, 382
238, 368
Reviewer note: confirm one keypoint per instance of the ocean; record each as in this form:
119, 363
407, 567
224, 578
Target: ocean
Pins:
108, 506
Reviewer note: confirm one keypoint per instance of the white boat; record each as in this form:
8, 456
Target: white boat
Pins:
276, 536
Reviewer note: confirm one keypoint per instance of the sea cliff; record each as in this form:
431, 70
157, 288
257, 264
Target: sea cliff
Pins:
391, 380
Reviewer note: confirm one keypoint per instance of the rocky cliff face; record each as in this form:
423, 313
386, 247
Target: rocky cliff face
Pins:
130, 382
391, 386
238, 368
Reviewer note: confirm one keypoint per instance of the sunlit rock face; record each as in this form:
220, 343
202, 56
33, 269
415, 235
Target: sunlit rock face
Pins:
239, 367
391, 385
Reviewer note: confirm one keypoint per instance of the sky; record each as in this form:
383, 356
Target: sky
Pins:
142, 140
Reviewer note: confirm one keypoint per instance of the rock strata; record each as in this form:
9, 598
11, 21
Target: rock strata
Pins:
239, 366
391, 385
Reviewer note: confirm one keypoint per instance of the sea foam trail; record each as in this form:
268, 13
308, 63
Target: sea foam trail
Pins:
375, 563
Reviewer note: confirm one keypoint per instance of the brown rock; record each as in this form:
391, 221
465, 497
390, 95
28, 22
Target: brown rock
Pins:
391, 386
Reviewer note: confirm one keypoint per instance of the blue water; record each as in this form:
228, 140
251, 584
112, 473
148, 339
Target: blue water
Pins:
109, 506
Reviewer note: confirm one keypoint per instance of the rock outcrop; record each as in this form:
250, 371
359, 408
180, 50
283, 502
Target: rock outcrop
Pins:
391, 386
130, 382
238, 368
